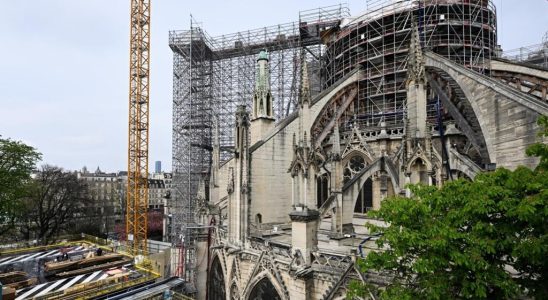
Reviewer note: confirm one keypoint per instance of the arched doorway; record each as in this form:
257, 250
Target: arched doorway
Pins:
216, 288
264, 290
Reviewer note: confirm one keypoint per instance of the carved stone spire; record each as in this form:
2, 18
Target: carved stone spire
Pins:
262, 99
242, 126
262, 116
201, 193
417, 135
305, 82
415, 61
304, 100
238, 204
216, 155
216, 133
416, 89
303, 170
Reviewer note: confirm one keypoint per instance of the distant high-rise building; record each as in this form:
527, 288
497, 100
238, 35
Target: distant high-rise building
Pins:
158, 167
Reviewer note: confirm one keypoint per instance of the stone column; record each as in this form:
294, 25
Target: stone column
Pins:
304, 238
305, 191
293, 191
304, 235
384, 186
201, 269
301, 288
430, 174
407, 181
259, 128
336, 188
337, 217
376, 192
238, 185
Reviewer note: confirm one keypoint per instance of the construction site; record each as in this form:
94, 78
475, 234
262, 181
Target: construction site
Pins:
84, 267
285, 136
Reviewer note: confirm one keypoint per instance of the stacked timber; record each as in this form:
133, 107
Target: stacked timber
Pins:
53, 266
59, 266
8, 293
90, 269
16, 279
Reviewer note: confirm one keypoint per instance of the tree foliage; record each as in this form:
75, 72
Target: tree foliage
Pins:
55, 202
17, 161
485, 239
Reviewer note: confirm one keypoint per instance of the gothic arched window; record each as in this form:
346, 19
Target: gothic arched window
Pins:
216, 289
264, 290
322, 189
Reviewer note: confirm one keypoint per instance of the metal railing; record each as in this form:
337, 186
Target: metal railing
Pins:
66, 240
537, 54
97, 288
179, 296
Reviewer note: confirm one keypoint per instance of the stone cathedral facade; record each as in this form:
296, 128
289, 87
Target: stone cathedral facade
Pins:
288, 209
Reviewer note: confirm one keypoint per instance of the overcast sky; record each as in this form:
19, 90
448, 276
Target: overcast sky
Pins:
64, 67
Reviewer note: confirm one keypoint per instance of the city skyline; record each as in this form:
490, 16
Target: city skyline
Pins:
58, 96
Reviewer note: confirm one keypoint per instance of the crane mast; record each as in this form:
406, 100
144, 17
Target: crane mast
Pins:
137, 183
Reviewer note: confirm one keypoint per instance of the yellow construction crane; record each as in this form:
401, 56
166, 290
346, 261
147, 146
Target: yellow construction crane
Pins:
137, 183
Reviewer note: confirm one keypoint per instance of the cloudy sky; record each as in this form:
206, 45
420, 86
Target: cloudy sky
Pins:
64, 67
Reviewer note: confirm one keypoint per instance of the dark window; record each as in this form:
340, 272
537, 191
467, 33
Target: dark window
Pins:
264, 290
322, 189
216, 289
365, 198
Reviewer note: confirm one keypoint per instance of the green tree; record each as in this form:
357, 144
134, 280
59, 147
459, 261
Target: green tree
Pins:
485, 239
56, 203
17, 161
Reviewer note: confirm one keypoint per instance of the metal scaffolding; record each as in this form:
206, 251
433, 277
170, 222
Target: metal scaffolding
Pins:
377, 41
534, 54
211, 77
192, 110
